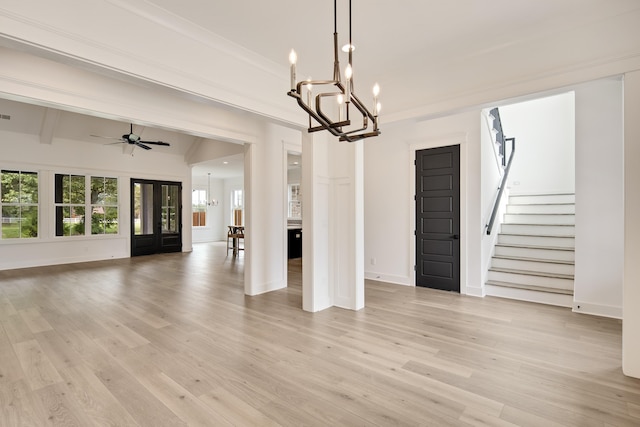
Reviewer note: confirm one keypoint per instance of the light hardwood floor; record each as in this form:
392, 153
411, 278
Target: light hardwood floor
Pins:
171, 340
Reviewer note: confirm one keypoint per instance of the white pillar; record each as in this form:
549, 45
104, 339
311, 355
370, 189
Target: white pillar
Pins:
630, 311
333, 223
265, 245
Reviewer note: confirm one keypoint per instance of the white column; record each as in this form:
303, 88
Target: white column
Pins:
630, 311
333, 223
265, 264
317, 292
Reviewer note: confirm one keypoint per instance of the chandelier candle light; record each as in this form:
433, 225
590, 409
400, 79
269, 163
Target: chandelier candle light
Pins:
339, 95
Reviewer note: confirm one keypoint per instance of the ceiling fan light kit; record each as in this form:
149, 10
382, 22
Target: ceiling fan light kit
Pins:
342, 127
133, 139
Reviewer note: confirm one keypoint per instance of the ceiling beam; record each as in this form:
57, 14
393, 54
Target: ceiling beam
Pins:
49, 123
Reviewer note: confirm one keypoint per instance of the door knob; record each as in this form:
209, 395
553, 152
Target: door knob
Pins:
455, 237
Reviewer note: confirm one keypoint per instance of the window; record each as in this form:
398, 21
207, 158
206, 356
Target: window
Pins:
19, 201
104, 205
237, 203
199, 208
295, 201
71, 204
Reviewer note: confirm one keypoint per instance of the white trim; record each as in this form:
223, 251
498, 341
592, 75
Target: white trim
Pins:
379, 277
597, 309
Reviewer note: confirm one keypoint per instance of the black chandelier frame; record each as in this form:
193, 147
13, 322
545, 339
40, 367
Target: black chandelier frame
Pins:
336, 128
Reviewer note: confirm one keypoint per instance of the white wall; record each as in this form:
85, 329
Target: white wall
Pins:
545, 139
599, 198
265, 213
389, 197
25, 152
631, 278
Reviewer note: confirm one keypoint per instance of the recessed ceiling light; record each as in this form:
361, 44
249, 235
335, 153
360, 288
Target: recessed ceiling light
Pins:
225, 163
295, 163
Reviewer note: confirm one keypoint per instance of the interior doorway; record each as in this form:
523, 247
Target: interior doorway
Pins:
156, 217
438, 218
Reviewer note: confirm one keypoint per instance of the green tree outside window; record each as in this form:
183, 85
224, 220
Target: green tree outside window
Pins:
19, 204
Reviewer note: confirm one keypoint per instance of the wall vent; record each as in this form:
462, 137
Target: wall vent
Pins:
5, 117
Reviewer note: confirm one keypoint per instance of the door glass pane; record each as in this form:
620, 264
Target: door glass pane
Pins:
170, 208
143, 208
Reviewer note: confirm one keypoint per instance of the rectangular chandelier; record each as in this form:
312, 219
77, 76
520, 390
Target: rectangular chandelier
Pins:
339, 101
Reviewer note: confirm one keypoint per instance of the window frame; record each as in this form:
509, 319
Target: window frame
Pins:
21, 204
87, 205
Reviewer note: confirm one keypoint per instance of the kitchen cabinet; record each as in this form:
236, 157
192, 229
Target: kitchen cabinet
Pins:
294, 242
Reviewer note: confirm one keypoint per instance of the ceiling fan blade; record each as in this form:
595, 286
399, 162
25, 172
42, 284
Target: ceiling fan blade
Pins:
106, 137
139, 144
166, 144
114, 143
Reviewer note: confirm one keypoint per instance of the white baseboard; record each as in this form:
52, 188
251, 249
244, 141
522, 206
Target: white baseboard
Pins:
476, 292
398, 280
268, 287
597, 309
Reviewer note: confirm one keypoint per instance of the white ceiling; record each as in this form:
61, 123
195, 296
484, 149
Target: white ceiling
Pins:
417, 50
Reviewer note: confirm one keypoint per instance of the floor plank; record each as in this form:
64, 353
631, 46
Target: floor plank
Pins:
171, 339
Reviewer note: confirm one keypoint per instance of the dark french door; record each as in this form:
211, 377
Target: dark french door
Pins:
438, 218
156, 217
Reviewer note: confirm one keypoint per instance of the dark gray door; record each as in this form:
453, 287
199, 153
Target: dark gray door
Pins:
438, 218
156, 212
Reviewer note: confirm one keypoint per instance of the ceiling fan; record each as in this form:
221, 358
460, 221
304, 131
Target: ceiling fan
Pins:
133, 139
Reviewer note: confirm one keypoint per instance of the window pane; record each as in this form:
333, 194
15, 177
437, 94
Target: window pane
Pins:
169, 208
10, 186
97, 220
111, 220
111, 191
29, 222
104, 220
29, 187
76, 220
97, 190
76, 190
69, 220
143, 209
10, 222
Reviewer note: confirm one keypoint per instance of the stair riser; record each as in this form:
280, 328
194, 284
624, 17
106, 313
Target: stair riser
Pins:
540, 267
542, 199
522, 279
544, 209
556, 242
565, 219
539, 230
543, 254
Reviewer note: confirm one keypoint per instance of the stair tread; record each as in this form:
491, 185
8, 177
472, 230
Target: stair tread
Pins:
532, 273
528, 224
553, 248
540, 194
541, 203
543, 213
530, 287
540, 260
538, 235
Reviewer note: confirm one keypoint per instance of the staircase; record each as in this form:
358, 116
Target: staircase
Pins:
534, 255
